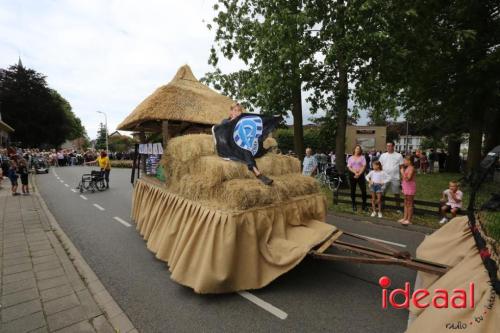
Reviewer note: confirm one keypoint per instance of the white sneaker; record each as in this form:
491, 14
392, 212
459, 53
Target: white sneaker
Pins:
443, 220
373, 214
379, 215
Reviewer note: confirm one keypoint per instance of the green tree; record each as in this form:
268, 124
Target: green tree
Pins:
39, 115
120, 143
446, 60
73, 126
273, 39
352, 37
313, 138
325, 47
100, 142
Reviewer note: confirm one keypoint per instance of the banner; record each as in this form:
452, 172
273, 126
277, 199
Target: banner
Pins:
241, 139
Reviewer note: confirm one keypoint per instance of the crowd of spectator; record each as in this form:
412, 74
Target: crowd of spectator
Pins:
388, 172
16, 163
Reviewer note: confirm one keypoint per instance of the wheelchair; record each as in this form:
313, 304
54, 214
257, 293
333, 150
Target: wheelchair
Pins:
93, 181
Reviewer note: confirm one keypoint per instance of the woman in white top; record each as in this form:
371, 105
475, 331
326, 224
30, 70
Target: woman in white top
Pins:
377, 179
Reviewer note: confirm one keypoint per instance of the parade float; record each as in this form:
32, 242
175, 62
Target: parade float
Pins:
218, 228
221, 230
473, 260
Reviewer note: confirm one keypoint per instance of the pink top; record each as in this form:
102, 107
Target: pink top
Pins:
357, 163
409, 186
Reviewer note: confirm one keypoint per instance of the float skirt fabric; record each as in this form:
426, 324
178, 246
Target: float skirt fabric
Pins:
215, 250
453, 245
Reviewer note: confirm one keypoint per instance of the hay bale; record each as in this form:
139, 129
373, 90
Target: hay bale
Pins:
196, 188
219, 170
195, 172
276, 164
248, 193
190, 147
270, 143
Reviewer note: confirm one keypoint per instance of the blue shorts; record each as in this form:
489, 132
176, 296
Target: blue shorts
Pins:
13, 180
377, 188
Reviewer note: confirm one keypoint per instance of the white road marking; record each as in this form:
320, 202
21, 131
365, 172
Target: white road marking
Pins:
125, 223
384, 241
62, 181
264, 305
66, 185
73, 190
99, 207
83, 197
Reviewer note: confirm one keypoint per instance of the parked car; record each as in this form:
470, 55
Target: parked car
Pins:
40, 165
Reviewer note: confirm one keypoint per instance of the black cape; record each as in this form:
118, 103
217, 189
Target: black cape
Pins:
242, 138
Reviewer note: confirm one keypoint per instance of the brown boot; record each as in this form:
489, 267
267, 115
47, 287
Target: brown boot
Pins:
265, 180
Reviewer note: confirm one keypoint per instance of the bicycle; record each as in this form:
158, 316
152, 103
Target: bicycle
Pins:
328, 176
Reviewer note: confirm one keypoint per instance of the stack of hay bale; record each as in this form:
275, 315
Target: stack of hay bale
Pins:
194, 171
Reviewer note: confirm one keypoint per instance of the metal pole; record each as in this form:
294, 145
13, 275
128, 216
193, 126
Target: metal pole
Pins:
406, 146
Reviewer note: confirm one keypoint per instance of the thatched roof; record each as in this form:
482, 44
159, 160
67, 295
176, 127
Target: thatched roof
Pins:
5, 127
184, 99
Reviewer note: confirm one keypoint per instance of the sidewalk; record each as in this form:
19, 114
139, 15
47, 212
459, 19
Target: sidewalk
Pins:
46, 286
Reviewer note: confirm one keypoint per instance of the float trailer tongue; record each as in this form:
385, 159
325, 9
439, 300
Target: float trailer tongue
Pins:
384, 254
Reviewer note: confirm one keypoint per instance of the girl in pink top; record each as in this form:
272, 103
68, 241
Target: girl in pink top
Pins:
409, 189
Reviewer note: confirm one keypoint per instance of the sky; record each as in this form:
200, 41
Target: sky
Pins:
108, 55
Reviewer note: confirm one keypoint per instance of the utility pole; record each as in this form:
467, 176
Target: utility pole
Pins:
407, 143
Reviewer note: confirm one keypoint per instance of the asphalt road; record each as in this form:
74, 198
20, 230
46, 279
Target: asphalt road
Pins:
317, 296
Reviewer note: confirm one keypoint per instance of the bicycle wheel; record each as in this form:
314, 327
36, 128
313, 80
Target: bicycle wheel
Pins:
334, 183
321, 178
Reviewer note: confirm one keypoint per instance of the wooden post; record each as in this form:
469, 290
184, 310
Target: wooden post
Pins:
165, 133
142, 138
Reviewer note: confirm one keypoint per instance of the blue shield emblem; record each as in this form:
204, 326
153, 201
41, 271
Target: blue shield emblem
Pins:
247, 132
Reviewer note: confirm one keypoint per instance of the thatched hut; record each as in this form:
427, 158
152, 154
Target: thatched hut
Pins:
183, 106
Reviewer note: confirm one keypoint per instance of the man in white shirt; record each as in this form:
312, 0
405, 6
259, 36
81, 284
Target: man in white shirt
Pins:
391, 163
310, 164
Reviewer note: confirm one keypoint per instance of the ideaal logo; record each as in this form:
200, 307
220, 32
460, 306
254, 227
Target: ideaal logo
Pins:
440, 298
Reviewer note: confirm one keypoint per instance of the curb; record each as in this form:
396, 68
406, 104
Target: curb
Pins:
115, 315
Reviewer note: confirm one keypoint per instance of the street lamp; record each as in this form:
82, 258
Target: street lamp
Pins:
106, 125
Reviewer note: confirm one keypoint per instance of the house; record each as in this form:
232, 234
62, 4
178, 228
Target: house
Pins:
115, 133
5, 131
408, 143
368, 137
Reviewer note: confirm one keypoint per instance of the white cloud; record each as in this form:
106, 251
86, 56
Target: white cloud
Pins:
107, 55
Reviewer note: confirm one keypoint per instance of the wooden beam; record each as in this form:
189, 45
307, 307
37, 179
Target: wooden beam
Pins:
165, 131
326, 244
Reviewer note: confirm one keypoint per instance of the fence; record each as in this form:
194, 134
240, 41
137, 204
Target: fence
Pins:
421, 206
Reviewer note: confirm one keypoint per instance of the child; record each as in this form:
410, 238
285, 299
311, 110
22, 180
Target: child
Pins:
377, 179
23, 172
451, 200
12, 174
409, 189
424, 162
